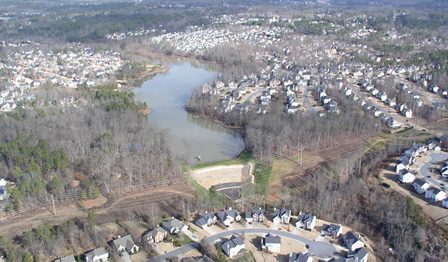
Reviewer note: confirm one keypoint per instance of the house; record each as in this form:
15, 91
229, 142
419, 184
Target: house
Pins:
435, 194
352, 241
206, 220
174, 226
228, 216
403, 164
271, 243
3, 192
300, 257
281, 216
70, 258
445, 203
156, 235
306, 221
97, 255
407, 113
254, 216
405, 176
125, 244
359, 256
331, 230
431, 145
233, 246
420, 186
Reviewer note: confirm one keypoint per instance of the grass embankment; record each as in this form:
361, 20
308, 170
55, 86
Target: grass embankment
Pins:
243, 158
381, 141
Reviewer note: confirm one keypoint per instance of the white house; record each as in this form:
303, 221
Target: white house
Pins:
3, 192
420, 186
402, 164
407, 113
97, 255
435, 194
406, 177
352, 241
233, 246
306, 221
228, 216
254, 216
271, 243
281, 216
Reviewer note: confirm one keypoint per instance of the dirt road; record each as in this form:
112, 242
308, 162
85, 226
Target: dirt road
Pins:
65, 211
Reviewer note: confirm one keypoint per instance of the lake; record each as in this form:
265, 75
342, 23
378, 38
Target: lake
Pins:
166, 95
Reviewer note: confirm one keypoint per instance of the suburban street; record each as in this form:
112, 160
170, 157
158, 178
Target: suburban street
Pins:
320, 249
176, 252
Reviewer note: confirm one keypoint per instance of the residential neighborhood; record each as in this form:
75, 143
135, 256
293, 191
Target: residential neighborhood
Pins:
230, 131
259, 237
410, 169
26, 70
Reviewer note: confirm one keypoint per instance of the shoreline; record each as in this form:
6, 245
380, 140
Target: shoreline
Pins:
150, 71
212, 118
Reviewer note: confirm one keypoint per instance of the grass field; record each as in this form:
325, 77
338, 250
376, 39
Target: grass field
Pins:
243, 158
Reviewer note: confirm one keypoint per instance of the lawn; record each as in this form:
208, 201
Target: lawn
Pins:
262, 175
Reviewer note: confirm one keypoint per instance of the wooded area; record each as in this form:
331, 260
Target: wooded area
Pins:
103, 145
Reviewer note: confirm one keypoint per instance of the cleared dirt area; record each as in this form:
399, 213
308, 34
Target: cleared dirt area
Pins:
215, 175
116, 205
91, 203
286, 170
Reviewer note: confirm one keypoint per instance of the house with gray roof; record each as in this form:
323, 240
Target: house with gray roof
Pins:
331, 230
353, 241
174, 226
228, 216
306, 221
206, 220
420, 185
125, 244
271, 243
254, 216
281, 216
360, 255
233, 246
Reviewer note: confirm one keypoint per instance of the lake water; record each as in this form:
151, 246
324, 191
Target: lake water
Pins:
166, 95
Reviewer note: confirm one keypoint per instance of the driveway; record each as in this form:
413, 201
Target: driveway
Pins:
320, 249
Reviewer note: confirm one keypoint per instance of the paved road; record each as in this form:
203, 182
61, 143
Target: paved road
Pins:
176, 252
320, 249
424, 169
